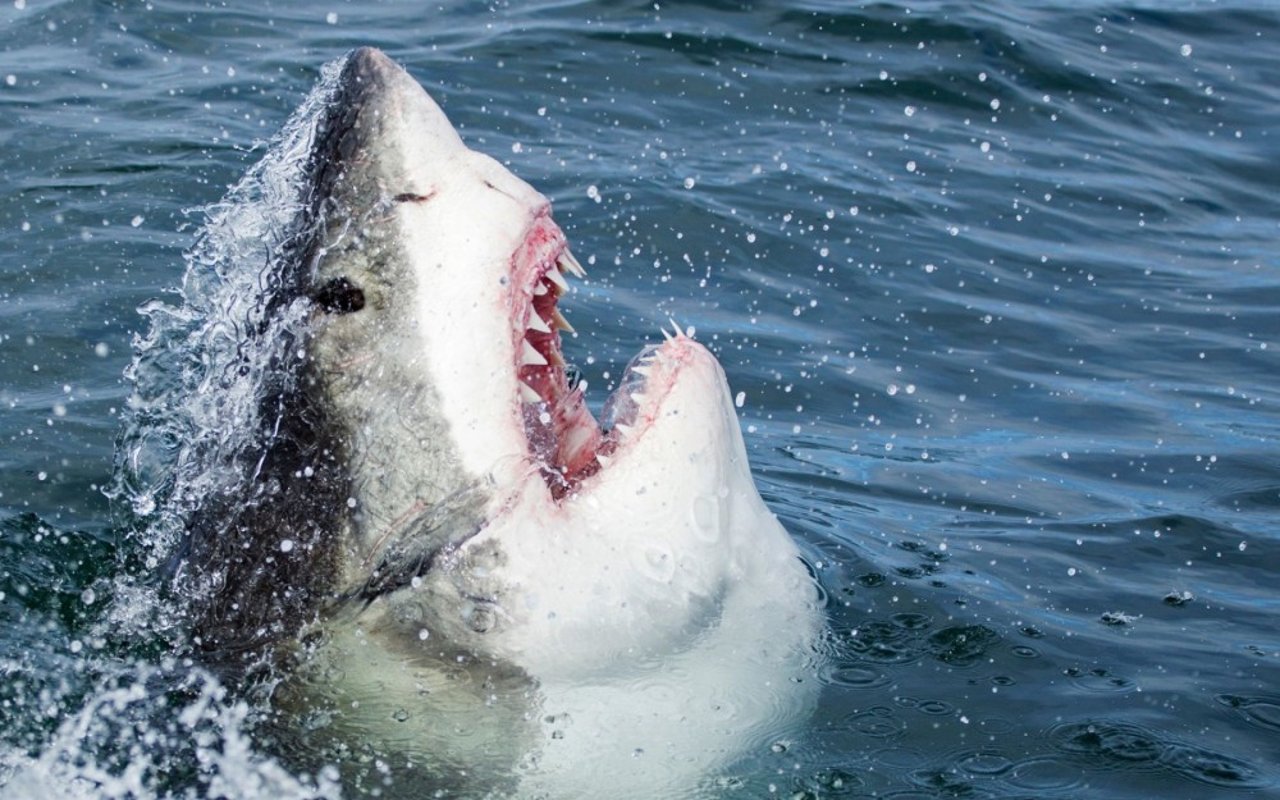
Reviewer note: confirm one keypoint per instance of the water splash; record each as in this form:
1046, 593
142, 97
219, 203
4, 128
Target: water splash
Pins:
126, 726
205, 363
157, 731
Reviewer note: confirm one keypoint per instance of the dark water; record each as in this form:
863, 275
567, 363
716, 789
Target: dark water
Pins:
1000, 287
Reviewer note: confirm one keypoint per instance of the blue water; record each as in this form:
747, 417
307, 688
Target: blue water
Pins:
999, 285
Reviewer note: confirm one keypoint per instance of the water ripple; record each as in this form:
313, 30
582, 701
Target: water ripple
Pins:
1129, 747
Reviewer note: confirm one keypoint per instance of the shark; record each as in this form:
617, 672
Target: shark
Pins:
459, 579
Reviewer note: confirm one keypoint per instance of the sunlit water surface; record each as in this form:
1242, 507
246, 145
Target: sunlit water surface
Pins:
999, 289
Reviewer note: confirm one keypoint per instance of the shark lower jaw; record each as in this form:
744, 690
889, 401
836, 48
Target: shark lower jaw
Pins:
565, 442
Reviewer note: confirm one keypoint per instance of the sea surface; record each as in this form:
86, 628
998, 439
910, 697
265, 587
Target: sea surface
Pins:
999, 285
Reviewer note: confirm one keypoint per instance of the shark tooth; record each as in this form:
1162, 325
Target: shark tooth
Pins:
539, 289
537, 323
560, 322
527, 394
571, 265
529, 355
556, 278
604, 460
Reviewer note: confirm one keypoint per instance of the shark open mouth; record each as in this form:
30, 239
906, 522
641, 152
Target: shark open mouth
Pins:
564, 439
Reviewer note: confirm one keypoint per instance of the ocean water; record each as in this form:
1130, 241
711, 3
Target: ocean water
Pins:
998, 285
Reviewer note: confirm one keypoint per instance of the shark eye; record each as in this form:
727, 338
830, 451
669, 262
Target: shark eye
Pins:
339, 296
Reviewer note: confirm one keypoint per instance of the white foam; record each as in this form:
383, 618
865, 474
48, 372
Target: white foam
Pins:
143, 724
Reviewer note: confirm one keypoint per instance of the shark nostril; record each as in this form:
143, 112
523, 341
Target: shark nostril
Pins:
339, 296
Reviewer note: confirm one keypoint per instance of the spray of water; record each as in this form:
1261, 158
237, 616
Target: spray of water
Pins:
145, 726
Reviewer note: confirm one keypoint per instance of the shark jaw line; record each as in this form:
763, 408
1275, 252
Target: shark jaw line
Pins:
561, 435
565, 442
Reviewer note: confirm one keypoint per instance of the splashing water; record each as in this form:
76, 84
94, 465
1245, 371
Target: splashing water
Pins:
157, 731
127, 728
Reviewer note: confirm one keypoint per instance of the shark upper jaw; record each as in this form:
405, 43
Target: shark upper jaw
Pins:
562, 437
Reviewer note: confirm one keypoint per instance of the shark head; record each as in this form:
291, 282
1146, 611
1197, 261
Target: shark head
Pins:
486, 518
436, 339
437, 277
428, 270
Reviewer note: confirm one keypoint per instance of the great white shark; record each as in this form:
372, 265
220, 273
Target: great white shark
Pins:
455, 576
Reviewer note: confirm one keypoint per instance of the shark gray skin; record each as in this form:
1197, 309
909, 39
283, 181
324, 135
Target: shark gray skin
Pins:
451, 568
